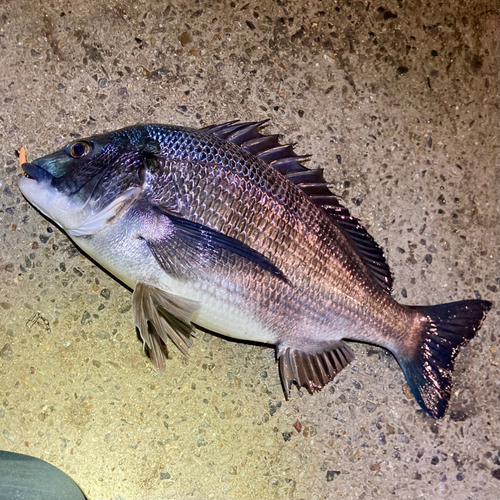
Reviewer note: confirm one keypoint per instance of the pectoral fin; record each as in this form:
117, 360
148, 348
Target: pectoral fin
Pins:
188, 247
312, 371
160, 315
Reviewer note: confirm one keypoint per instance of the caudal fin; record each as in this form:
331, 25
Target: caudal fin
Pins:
428, 372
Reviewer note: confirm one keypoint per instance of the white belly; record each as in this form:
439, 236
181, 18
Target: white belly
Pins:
131, 261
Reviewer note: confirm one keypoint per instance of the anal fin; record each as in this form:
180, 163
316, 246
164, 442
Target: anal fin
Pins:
160, 315
312, 371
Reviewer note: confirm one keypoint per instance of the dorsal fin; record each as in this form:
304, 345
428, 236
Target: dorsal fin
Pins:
266, 147
283, 158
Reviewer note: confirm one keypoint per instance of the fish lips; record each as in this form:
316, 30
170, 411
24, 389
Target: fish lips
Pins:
37, 173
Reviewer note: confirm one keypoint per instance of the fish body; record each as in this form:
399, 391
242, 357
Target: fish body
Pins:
224, 228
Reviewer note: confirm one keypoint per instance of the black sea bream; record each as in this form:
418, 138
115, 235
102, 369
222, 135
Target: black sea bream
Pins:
224, 228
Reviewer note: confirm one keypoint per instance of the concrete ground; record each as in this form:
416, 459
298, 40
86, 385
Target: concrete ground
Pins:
397, 101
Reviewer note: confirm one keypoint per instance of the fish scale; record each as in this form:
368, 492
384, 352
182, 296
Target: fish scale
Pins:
262, 233
267, 242
224, 228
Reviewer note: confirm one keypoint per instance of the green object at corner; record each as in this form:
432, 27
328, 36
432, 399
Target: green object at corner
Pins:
28, 478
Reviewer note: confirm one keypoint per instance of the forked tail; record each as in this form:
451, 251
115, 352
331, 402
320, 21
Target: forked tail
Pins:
428, 371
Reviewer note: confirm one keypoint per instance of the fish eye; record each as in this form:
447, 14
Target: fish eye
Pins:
80, 149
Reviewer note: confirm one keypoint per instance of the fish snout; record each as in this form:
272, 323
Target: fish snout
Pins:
35, 172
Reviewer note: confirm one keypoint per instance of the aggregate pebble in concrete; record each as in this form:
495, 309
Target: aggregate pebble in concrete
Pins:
398, 102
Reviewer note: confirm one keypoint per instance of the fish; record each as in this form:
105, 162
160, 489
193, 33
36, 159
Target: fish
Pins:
225, 228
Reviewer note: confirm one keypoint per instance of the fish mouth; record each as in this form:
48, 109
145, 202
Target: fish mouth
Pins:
34, 172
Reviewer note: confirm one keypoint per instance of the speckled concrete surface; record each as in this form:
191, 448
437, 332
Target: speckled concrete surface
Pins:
397, 101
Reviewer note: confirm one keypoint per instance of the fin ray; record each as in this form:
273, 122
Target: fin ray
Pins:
160, 315
312, 370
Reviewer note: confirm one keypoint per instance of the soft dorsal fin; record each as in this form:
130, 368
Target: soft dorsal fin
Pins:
283, 158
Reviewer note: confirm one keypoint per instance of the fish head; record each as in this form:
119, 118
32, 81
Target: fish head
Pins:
88, 183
